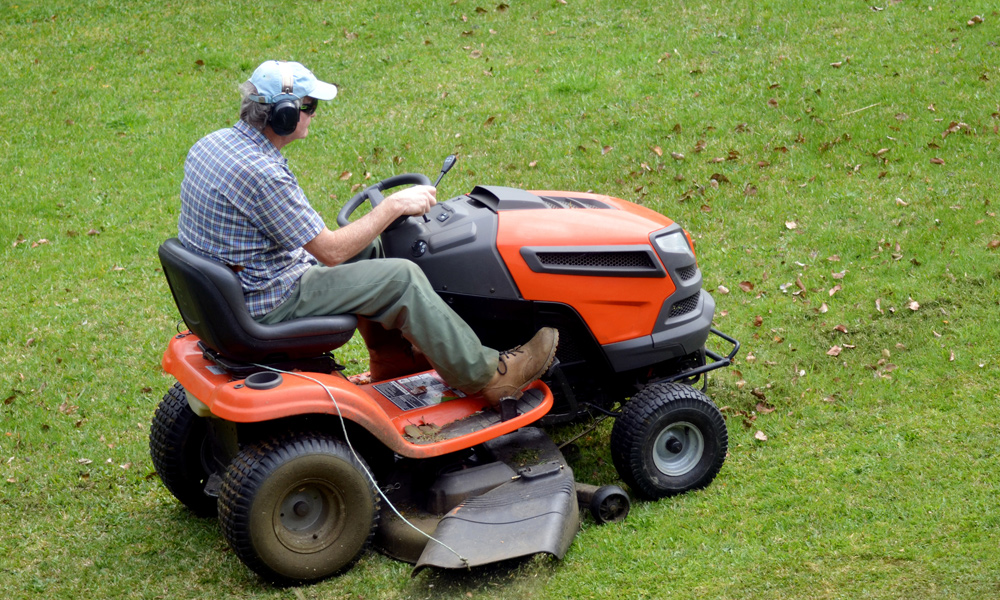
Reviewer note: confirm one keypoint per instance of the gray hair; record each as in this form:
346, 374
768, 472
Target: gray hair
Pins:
253, 113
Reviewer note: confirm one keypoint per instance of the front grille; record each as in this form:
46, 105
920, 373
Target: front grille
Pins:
684, 306
615, 260
686, 273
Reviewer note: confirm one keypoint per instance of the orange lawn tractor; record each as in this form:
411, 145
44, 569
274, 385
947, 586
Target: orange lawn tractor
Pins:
305, 468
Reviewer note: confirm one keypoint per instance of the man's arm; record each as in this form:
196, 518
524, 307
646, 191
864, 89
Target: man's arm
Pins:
334, 247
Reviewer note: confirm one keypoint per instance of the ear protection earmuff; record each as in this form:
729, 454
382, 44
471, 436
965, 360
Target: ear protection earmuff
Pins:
285, 106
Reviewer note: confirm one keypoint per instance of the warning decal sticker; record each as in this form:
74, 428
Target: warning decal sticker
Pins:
418, 391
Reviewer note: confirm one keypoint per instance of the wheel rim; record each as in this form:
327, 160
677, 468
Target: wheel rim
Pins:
678, 449
310, 516
613, 509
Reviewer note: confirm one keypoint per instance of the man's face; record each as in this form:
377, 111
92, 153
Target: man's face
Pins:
306, 112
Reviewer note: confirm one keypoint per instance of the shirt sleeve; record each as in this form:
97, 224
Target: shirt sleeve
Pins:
284, 214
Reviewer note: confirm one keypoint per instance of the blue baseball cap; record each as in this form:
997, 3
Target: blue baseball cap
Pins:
275, 78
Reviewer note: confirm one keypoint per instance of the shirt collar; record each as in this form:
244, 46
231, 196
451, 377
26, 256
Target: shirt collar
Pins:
258, 138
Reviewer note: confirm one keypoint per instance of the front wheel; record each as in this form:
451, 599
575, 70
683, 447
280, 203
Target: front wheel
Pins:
669, 439
298, 508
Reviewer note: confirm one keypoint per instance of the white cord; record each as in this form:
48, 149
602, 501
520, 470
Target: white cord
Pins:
361, 462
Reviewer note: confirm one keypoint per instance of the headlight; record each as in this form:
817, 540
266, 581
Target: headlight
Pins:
674, 243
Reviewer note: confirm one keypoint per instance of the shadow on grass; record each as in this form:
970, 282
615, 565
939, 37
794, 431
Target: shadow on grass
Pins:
515, 578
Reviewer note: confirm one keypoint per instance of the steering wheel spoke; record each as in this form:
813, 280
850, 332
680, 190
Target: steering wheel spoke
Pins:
374, 195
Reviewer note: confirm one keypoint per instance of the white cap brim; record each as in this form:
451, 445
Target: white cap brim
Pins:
323, 91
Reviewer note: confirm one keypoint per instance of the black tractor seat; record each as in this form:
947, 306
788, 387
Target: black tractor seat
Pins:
210, 299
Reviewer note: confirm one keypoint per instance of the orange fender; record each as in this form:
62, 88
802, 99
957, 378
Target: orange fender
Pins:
231, 400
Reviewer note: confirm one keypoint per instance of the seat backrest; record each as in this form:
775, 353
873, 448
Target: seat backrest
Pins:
210, 299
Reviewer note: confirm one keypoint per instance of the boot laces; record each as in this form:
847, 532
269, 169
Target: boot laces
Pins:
505, 356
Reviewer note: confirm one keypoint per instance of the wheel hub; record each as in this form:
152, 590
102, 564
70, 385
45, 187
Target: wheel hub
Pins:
678, 449
310, 517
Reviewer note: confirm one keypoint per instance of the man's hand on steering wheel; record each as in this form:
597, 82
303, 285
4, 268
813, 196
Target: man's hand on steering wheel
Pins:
412, 201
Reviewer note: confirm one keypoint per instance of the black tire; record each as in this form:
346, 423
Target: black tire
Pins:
298, 509
669, 439
610, 504
181, 452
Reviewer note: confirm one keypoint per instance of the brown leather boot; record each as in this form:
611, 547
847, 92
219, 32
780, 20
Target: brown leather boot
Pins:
522, 365
390, 355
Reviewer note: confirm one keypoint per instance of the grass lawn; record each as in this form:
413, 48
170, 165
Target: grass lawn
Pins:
836, 163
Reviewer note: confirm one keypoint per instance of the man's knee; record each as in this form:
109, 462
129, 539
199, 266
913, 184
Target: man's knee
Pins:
402, 270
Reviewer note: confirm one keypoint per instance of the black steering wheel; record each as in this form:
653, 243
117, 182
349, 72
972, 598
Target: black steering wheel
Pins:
373, 194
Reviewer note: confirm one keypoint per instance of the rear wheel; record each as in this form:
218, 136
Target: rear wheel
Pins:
298, 508
669, 439
181, 451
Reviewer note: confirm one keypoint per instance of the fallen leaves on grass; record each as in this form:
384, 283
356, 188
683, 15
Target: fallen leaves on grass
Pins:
760, 436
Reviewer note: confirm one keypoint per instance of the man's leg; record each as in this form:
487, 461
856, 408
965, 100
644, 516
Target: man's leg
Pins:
397, 295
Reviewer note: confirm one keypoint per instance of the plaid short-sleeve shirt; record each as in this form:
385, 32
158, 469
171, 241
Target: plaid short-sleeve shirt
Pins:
241, 205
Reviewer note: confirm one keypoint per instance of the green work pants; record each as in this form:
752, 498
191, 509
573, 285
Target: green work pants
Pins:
395, 293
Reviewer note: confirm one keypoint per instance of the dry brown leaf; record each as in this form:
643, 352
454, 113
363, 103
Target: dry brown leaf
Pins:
760, 435
345, 175
657, 150
913, 305
723, 289
607, 149
746, 286
840, 328
834, 351
993, 244
835, 289
937, 161
976, 20
839, 275
758, 321
791, 225
676, 156
764, 408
